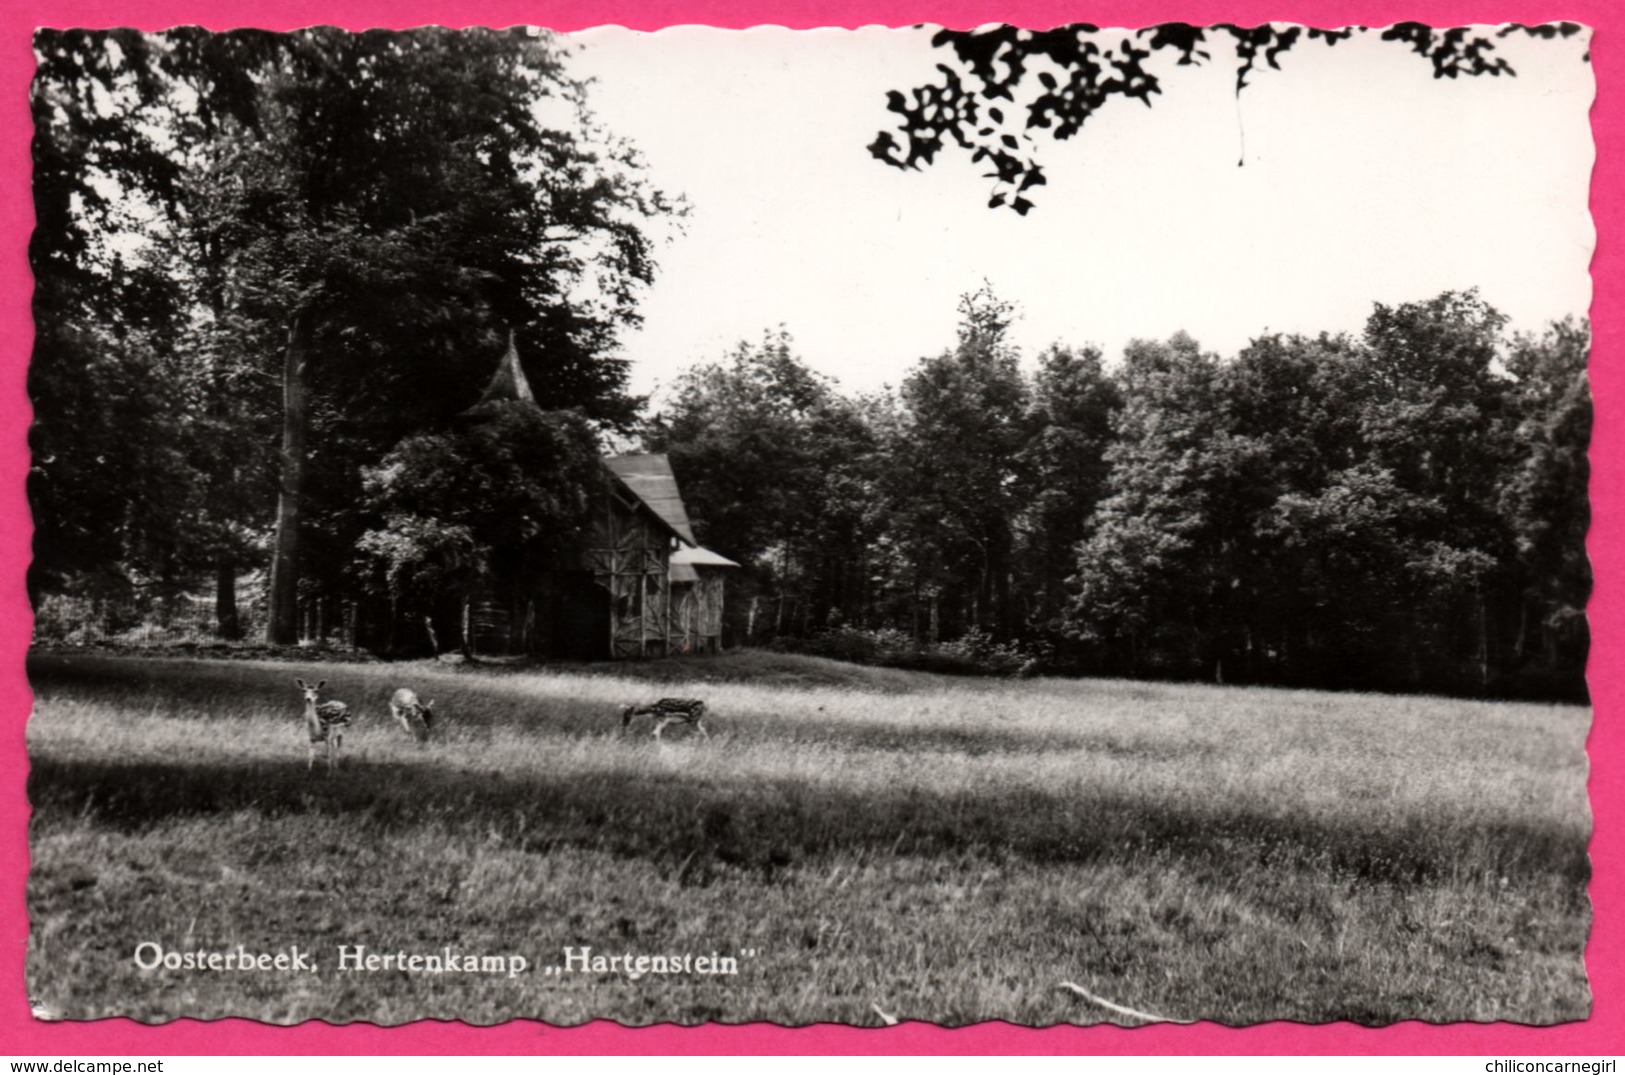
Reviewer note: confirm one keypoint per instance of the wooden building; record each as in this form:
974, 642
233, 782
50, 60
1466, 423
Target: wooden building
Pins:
642, 585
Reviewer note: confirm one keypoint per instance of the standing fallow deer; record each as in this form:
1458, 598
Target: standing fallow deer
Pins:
415, 716
324, 721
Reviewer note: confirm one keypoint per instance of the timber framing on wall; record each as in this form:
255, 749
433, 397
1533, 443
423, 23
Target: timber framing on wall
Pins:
665, 591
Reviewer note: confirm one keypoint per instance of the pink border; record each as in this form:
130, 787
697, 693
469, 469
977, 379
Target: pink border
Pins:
1604, 1033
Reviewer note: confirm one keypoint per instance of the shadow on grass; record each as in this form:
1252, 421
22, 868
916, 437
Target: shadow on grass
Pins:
767, 825
467, 707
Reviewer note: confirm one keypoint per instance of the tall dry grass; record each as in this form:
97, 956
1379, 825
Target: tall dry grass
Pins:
946, 850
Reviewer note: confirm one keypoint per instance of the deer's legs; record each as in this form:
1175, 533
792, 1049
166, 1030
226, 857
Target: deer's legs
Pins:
664, 721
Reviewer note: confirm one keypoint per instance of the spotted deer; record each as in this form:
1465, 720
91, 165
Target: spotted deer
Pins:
324, 721
415, 716
668, 711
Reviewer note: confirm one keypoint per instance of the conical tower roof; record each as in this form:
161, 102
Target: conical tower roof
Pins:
509, 382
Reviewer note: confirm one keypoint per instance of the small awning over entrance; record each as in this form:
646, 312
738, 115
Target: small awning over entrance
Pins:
686, 559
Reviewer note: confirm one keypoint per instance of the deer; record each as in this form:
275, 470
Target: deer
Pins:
411, 714
668, 711
325, 721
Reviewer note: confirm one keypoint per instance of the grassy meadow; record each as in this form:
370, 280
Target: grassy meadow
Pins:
887, 844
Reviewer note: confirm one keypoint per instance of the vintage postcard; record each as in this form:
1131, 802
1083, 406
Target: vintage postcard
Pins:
1061, 526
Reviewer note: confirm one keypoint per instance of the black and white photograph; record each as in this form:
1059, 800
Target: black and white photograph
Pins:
1062, 525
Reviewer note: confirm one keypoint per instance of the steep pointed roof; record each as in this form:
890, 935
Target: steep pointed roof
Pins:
509, 381
650, 479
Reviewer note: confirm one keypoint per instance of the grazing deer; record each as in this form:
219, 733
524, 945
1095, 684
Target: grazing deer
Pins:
415, 716
325, 721
668, 711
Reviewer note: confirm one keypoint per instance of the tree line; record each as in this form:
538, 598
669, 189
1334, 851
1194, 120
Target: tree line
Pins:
274, 273
1404, 508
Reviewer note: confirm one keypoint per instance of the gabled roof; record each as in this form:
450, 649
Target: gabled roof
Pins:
650, 479
509, 381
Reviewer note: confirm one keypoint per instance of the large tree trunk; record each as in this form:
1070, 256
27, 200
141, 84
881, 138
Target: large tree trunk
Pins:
226, 623
283, 626
1004, 622
469, 655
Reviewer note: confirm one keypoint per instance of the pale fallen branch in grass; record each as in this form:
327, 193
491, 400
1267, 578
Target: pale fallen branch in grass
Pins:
889, 1020
1118, 1008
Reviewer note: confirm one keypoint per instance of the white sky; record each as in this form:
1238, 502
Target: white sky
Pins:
1365, 180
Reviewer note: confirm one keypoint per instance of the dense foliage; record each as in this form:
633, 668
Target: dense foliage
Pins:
275, 271
1403, 509
1002, 90
266, 262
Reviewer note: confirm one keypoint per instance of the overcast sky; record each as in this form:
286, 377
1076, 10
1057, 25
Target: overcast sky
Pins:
1365, 180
